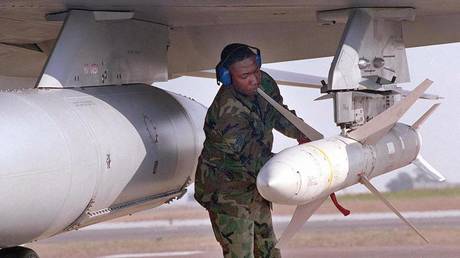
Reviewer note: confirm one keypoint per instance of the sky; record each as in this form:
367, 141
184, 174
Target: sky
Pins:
441, 133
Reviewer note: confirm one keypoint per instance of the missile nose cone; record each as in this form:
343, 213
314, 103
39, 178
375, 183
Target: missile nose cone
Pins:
278, 182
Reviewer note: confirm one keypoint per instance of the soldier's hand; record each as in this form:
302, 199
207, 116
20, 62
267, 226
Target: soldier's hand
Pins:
303, 139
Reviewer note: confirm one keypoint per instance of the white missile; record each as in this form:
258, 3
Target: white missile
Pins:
307, 174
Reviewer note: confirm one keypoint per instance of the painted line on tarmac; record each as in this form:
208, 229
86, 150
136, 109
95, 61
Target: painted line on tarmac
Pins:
276, 219
160, 254
386, 215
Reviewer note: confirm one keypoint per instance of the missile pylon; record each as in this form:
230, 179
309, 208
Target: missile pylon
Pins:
305, 175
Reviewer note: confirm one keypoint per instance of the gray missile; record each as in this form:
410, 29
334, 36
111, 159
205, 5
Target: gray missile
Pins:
73, 157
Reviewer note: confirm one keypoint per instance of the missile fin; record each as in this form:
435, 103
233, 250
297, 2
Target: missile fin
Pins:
295, 79
372, 131
324, 97
281, 77
376, 192
200, 74
425, 116
301, 214
422, 164
307, 130
424, 96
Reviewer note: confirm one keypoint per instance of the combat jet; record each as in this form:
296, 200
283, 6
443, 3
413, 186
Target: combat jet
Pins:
84, 136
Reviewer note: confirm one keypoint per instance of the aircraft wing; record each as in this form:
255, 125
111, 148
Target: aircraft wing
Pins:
283, 30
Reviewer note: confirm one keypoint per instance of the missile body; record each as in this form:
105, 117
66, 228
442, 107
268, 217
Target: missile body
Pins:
304, 173
69, 155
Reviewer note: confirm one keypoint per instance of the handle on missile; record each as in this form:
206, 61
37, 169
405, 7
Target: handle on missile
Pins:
339, 207
368, 185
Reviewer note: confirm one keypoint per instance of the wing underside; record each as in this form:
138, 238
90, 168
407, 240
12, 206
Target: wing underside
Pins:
283, 30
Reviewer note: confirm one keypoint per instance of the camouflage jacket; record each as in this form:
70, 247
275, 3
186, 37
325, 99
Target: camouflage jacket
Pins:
238, 142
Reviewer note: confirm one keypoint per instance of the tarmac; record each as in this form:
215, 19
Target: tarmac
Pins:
378, 234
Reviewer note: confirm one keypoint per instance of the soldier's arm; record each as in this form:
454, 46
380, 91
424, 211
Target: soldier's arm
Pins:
233, 133
228, 128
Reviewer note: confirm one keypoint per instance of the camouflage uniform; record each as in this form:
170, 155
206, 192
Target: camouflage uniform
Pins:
238, 142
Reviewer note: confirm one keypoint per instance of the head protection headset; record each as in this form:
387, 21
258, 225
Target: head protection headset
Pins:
222, 69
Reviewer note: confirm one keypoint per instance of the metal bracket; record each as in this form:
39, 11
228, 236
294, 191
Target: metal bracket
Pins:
370, 60
341, 15
183, 190
371, 51
105, 48
91, 217
84, 216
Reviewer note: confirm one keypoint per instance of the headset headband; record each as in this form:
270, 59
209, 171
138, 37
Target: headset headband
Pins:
222, 62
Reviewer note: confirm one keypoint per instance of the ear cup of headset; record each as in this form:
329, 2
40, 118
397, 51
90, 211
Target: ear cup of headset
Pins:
258, 59
223, 76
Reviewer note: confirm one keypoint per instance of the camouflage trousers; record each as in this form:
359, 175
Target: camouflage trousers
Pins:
243, 237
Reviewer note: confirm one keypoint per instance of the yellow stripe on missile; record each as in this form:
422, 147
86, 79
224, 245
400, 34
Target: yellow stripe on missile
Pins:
326, 157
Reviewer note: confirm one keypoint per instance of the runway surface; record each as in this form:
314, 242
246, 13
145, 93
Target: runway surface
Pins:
359, 235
